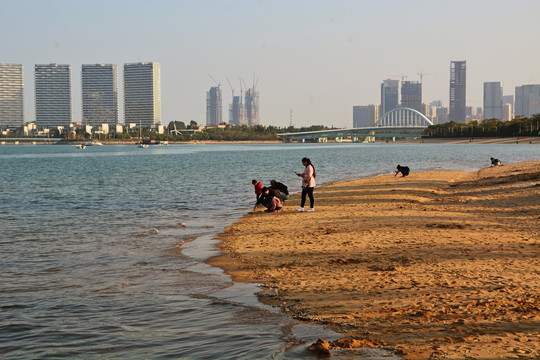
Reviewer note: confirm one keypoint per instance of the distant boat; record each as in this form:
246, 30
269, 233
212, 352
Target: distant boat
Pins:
94, 143
141, 145
81, 146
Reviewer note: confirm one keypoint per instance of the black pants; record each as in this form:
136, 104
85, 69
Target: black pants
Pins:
309, 192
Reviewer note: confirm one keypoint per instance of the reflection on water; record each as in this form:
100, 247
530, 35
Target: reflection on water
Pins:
103, 250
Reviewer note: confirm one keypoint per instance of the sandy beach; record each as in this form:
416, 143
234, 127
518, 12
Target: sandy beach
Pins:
434, 265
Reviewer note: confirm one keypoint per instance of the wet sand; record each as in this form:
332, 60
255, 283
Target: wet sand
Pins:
434, 265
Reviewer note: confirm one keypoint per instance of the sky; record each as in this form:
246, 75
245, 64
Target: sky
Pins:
317, 58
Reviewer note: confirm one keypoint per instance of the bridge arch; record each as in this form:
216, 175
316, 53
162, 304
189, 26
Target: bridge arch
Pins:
403, 117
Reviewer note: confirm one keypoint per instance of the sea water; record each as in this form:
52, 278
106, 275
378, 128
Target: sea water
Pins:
102, 250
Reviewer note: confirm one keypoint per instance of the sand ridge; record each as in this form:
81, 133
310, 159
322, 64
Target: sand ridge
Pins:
437, 264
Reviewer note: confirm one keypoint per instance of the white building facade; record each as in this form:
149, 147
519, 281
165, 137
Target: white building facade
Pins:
142, 94
52, 93
99, 84
11, 96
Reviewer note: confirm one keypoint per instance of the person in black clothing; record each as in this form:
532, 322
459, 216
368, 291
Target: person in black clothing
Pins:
282, 188
404, 170
271, 199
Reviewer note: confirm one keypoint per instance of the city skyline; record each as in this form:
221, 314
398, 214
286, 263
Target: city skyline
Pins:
318, 58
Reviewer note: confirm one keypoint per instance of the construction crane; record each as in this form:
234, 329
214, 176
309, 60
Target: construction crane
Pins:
232, 89
211, 77
399, 76
421, 73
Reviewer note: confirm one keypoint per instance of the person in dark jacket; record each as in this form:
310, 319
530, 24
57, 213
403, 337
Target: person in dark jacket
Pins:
271, 199
404, 170
282, 188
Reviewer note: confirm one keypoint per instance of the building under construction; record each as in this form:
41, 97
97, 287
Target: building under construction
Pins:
213, 106
252, 106
237, 112
411, 95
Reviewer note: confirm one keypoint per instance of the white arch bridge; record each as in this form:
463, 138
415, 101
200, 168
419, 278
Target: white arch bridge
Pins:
396, 123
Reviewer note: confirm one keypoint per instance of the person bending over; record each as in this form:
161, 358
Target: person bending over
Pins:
282, 188
404, 170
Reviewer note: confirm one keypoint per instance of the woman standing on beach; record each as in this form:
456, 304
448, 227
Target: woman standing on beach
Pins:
308, 183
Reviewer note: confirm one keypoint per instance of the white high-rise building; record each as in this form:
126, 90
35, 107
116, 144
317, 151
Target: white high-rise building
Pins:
11, 96
142, 94
493, 93
99, 94
52, 95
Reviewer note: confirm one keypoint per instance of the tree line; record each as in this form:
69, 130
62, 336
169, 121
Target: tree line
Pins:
519, 126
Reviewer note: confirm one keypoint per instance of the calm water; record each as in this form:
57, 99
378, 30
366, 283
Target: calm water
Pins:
103, 249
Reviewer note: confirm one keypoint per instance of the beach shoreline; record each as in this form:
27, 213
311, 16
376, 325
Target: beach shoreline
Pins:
434, 264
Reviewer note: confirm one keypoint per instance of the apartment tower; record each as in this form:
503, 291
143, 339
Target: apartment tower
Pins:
52, 93
458, 95
214, 114
11, 96
142, 94
99, 94
389, 95
493, 100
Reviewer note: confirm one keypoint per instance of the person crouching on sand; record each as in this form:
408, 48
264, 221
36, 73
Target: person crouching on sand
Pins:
308, 184
282, 188
271, 199
404, 170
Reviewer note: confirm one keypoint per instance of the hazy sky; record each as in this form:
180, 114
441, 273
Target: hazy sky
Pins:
319, 58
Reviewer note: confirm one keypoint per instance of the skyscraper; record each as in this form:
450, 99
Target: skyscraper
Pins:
11, 96
252, 106
411, 95
527, 100
52, 95
389, 95
99, 94
493, 100
142, 94
365, 116
213, 107
458, 95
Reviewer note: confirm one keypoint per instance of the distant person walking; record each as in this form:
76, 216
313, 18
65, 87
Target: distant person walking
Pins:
308, 184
